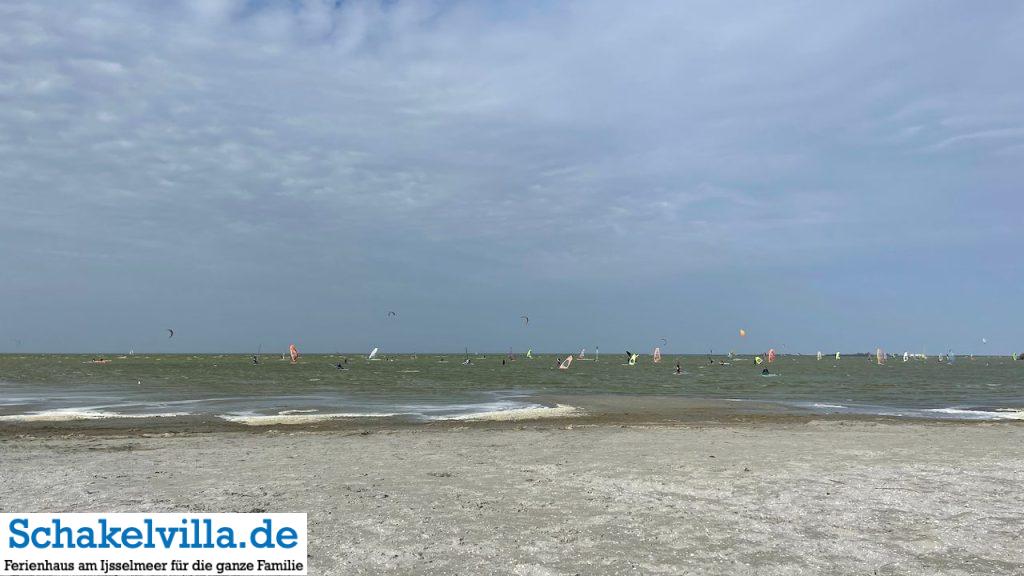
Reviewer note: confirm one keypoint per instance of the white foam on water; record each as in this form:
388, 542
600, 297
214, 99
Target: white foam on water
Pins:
277, 419
514, 414
76, 414
1000, 414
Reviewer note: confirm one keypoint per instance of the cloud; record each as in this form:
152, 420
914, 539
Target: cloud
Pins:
538, 144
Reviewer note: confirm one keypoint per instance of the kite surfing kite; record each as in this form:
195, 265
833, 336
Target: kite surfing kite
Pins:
743, 333
391, 313
526, 320
171, 333
664, 341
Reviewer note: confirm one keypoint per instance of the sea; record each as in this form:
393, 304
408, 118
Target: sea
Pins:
432, 387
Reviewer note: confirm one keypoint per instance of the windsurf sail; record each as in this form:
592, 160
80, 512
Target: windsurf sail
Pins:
950, 357
293, 352
837, 355
583, 352
758, 360
657, 355
597, 353
771, 355
373, 354
632, 359
529, 353
879, 356
906, 356
566, 363
819, 355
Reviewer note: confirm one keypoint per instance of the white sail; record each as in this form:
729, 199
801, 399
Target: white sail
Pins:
819, 355
837, 355
566, 363
373, 354
906, 356
583, 352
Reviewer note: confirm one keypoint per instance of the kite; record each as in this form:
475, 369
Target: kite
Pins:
526, 320
664, 341
392, 313
743, 333
171, 333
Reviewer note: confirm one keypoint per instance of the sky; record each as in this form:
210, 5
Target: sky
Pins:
826, 175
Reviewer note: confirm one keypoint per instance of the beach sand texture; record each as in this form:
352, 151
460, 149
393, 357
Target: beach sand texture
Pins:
818, 497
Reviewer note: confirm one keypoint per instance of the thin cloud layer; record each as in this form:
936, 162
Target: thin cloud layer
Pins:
288, 168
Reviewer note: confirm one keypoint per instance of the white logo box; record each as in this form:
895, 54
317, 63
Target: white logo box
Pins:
225, 544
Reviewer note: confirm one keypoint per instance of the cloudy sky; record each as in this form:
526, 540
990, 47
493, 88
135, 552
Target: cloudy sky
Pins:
827, 175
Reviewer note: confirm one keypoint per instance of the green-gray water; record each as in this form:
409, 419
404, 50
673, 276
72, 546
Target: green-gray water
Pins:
426, 387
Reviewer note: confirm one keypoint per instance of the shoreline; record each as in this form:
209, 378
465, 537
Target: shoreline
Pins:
557, 411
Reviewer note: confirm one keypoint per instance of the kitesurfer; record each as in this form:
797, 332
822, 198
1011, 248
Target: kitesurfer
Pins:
679, 368
255, 359
765, 372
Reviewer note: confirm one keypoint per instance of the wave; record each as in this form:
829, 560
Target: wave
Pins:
74, 414
515, 414
946, 413
289, 417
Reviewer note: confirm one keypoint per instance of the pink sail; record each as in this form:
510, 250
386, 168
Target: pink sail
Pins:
771, 355
294, 353
657, 354
566, 363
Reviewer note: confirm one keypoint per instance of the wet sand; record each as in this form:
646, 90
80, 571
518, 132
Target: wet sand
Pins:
807, 496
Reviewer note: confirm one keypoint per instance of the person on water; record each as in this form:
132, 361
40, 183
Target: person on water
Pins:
679, 368
340, 366
255, 360
765, 372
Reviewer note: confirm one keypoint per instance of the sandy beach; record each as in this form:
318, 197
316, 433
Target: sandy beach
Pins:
789, 497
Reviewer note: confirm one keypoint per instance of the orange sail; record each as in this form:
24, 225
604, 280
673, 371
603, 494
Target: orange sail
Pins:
293, 352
